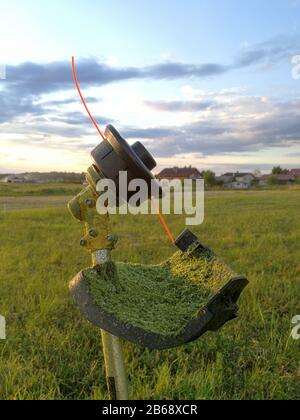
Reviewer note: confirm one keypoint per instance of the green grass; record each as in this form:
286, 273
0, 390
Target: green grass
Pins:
52, 353
38, 190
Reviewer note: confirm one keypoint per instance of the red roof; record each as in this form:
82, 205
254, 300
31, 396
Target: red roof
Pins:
179, 173
295, 172
281, 177
285, 177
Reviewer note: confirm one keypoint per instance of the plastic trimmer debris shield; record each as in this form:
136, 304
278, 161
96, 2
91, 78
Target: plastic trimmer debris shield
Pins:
161, 306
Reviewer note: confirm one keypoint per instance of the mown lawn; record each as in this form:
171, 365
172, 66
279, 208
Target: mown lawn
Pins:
52, 353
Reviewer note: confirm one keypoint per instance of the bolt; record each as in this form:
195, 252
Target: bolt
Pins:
83, 242
90, 203
93, 233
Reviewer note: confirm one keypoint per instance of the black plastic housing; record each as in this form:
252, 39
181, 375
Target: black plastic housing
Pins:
116, 155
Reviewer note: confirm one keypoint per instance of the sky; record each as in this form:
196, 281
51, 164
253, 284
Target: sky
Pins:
208, 83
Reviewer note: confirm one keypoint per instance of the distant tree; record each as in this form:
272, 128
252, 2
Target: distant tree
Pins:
277, 170
257, 173
272, 180
209, 178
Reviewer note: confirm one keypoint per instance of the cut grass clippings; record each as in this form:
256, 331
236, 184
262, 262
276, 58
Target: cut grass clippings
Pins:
160, 299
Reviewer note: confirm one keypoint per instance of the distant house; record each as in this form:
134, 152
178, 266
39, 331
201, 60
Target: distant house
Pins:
226, 178
46, 177
179, 173
237, 180
282, 179
14, 179
295, 173
263, 180
286, 179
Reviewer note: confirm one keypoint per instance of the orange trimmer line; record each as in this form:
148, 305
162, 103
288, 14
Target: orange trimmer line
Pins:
83, 101
161, 217
163, 221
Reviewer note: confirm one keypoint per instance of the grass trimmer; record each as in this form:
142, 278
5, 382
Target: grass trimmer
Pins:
157, 306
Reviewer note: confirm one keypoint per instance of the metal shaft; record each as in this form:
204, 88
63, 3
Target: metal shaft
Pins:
115, 367
113, 352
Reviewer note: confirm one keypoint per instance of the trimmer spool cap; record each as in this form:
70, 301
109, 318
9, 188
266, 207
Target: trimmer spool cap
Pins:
116, 155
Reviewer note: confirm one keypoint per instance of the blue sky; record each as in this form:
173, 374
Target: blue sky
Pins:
201, 82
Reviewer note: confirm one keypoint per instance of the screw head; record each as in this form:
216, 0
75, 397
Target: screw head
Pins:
93, 233
90, 203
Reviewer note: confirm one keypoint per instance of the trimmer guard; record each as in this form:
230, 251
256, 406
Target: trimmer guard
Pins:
163, 306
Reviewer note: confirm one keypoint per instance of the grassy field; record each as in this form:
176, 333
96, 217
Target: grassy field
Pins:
52, 353
38, 190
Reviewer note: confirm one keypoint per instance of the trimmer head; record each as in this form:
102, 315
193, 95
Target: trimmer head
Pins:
161, 306
115, 155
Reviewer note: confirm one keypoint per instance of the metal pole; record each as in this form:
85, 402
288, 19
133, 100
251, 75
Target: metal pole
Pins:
112, 349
